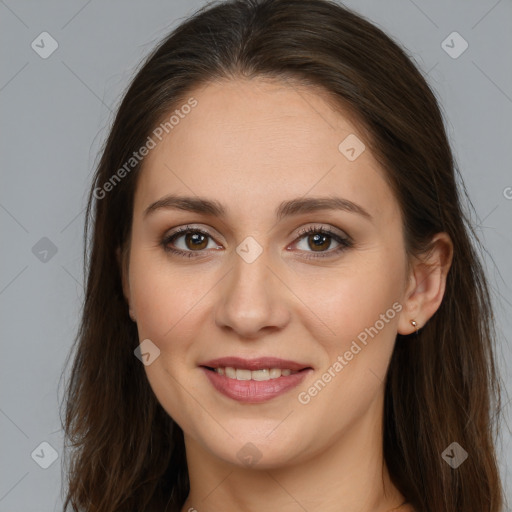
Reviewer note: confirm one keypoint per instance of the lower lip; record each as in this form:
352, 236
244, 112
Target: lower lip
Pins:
254, 391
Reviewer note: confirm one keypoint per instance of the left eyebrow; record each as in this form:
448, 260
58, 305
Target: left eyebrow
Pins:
312, 204
288, 208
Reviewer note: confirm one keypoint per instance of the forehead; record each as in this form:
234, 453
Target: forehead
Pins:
270, 122
255, 139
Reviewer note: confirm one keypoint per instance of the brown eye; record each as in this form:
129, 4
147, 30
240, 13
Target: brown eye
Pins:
319, 240
195, 241
188, 240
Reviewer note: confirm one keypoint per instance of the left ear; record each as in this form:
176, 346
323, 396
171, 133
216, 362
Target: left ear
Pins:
427, 283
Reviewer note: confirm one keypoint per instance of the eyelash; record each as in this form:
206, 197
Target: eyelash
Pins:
345, 243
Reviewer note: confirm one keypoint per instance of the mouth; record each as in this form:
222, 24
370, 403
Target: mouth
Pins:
254, 380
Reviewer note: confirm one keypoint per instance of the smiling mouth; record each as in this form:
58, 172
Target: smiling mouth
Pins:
258, 375
254, 380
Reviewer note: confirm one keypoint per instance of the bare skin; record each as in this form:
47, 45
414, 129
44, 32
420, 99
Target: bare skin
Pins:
250, 145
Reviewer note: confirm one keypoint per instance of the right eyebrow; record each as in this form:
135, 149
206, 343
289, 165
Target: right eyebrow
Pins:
191, 204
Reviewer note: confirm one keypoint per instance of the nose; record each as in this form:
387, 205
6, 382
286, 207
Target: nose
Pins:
252, 299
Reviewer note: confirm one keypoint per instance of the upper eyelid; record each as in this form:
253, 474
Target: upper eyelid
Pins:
332, 230
189, 228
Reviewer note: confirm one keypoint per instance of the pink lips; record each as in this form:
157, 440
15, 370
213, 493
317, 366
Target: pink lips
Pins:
253, 391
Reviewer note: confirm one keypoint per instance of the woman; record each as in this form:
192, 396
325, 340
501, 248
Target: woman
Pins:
283, 307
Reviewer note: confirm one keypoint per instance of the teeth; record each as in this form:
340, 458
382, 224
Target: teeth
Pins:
243, 374
275, 373
230, 372
264, 374
261, 374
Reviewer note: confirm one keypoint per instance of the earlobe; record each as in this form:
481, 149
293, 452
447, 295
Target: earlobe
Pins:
427, 284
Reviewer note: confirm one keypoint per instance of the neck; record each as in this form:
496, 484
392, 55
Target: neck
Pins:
349, 476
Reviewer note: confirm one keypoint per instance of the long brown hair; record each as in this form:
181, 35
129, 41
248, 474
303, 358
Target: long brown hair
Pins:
126, 453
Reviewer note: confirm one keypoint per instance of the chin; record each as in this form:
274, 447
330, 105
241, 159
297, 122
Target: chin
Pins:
253, 447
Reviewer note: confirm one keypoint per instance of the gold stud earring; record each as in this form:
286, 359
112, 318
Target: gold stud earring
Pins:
414, 324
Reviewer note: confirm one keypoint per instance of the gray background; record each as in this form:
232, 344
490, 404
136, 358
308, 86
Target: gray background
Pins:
55, 115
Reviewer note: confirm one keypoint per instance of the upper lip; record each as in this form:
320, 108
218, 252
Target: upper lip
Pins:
259, 363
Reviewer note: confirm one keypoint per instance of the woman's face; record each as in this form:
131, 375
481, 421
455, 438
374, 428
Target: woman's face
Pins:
304, 321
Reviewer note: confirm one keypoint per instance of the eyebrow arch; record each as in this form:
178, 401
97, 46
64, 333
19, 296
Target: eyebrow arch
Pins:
286, 208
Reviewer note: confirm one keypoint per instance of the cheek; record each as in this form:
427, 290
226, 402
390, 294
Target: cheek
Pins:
355, 298
361, 311
167, 305
162, 295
